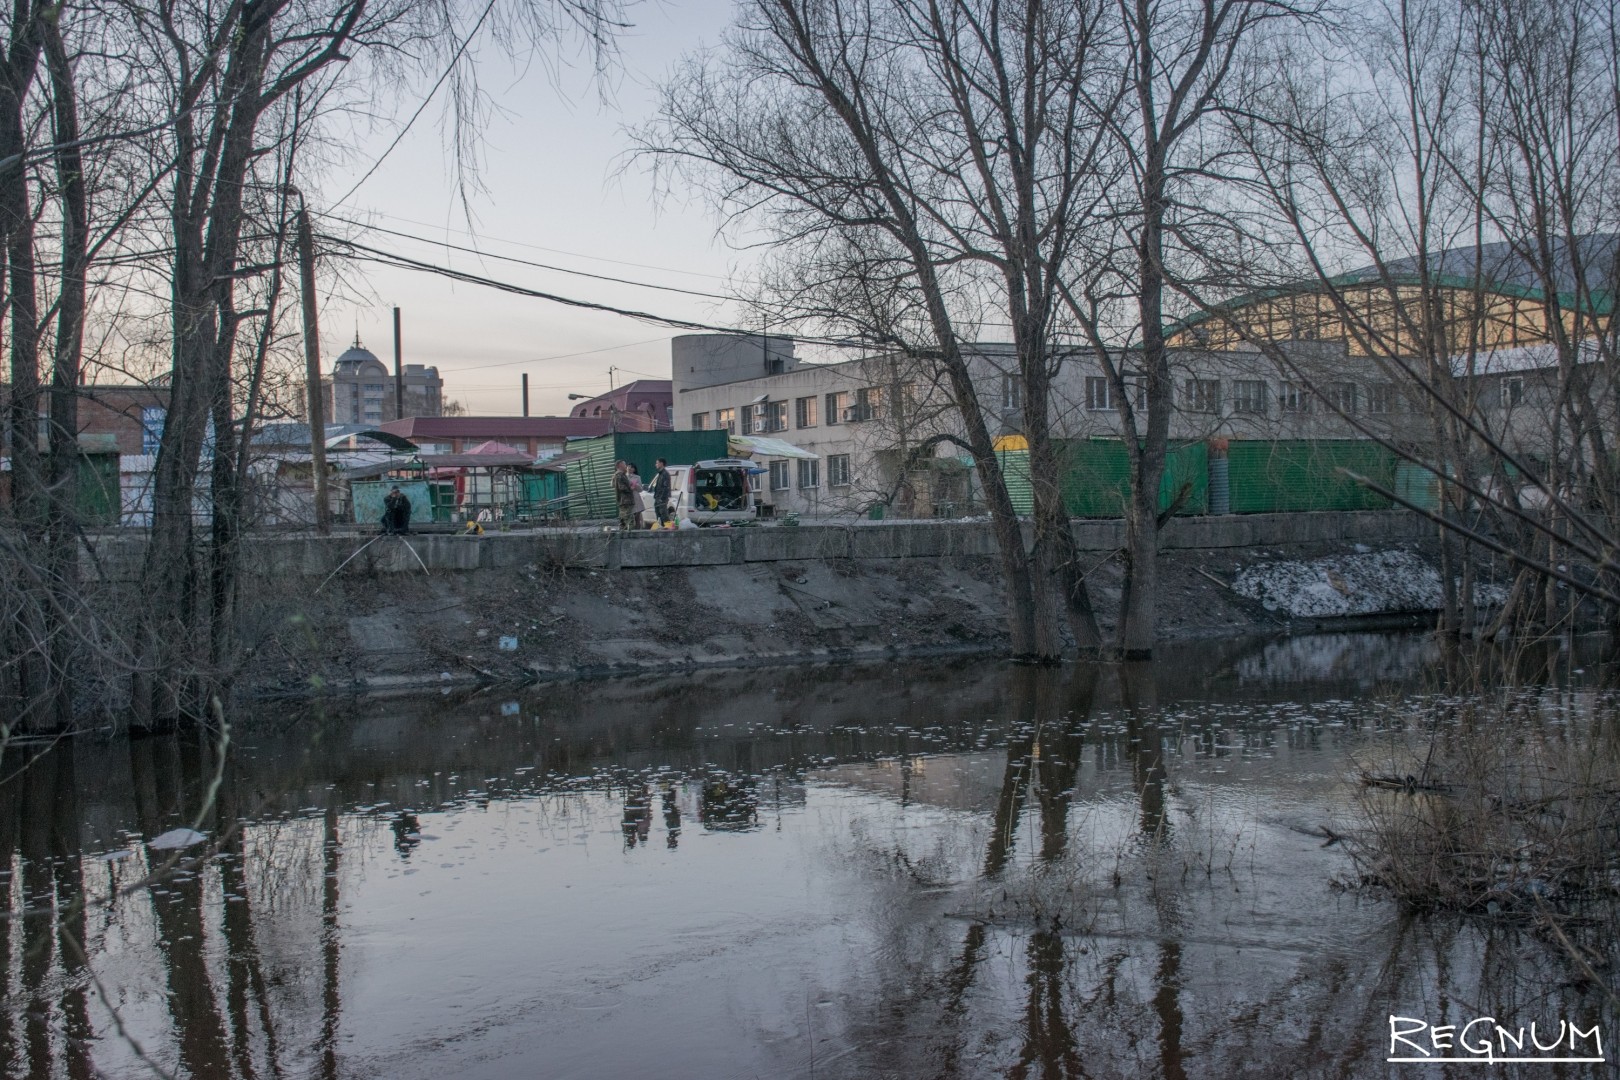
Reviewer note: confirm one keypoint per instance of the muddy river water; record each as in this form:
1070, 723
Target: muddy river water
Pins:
942, 869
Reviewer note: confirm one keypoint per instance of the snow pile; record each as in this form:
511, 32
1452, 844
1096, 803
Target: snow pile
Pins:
1381, 582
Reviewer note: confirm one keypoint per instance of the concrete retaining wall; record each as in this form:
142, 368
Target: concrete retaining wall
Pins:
119, 557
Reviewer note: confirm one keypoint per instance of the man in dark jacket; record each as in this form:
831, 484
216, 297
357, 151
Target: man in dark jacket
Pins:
660, 491
396, 512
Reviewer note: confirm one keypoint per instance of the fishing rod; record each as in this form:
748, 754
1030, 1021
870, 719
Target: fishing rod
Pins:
350, 559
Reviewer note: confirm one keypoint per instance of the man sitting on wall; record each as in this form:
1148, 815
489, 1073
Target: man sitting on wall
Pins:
396, 512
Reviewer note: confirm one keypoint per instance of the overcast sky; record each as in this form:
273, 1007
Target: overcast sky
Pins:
558, 192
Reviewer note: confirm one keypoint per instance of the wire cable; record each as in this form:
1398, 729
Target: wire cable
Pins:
528, 262
431, 94
382, 257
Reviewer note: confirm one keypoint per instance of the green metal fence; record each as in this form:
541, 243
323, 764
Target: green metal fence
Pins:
1264, 476
1097, 477
1307, 474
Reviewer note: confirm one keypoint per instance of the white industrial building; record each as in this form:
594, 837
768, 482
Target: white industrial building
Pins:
861, 420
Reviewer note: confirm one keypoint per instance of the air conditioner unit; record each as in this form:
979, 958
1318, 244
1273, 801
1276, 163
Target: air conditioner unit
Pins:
759, 426
851, 414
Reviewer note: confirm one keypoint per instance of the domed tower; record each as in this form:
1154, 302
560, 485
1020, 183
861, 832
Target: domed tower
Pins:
362, 391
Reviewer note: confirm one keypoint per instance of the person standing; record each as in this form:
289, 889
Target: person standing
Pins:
624, 495
660, 491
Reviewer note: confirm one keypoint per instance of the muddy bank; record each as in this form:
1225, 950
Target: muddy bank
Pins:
377, 631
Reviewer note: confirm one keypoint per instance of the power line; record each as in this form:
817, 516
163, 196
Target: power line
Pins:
454, 60
526, 262
542, 247
389, 258
558, 356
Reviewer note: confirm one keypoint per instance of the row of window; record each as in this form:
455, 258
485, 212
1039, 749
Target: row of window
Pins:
1253, 397
766, 417
1249, 397
809, 470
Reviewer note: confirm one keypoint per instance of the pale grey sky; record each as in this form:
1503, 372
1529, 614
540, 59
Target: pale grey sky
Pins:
555, 193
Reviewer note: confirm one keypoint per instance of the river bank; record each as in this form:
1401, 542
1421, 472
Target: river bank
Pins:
443, 610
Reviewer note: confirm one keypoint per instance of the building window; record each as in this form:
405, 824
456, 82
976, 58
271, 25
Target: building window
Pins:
1249, 396
868, 404
804, 412
837, 408
779, 476
1512, 392
1292, 397
1012, 393
750, 415
1381, 398
838, 470
809, 473
1099, 395
775, 415
726, 420
152, 418
1340, 396
700, 421
1202, 396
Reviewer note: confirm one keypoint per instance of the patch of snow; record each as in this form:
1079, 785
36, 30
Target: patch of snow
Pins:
175, 839
1382, 582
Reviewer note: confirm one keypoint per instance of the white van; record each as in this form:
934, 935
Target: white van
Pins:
710, 492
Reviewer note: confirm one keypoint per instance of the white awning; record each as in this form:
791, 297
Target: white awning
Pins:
759, 446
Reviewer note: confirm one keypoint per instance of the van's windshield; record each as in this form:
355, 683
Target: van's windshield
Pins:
718, 489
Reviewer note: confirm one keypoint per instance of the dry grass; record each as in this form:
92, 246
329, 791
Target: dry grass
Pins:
1501, 820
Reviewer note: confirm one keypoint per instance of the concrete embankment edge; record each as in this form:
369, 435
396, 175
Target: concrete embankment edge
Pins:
118, 557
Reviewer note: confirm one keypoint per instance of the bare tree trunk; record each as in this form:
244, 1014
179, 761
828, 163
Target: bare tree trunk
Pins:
172, 635
28, 493
1139, 598
62, 527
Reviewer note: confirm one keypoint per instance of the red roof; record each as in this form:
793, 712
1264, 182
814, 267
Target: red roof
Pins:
417, 428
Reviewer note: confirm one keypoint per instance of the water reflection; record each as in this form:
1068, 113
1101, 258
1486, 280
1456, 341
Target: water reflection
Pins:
914, 871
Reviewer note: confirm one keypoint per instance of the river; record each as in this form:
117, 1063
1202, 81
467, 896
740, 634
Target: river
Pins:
941, 869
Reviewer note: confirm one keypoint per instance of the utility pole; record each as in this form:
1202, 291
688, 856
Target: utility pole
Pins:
399, 374
312, 370
525, 393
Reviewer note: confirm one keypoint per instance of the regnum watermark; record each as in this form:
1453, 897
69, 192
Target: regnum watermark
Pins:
1485, 1040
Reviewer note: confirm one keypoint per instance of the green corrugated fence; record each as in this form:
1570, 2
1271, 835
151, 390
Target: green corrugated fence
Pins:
1096, 477
1305, 474
1264, 476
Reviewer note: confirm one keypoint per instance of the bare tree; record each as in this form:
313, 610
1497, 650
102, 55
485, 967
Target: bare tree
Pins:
1472, 179
923, 164
1182, 66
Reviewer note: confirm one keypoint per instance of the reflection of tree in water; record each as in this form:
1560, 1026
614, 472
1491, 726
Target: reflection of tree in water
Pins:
1026, 989
672, 819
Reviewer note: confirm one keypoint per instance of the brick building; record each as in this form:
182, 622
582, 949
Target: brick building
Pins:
132, 414
643, 405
